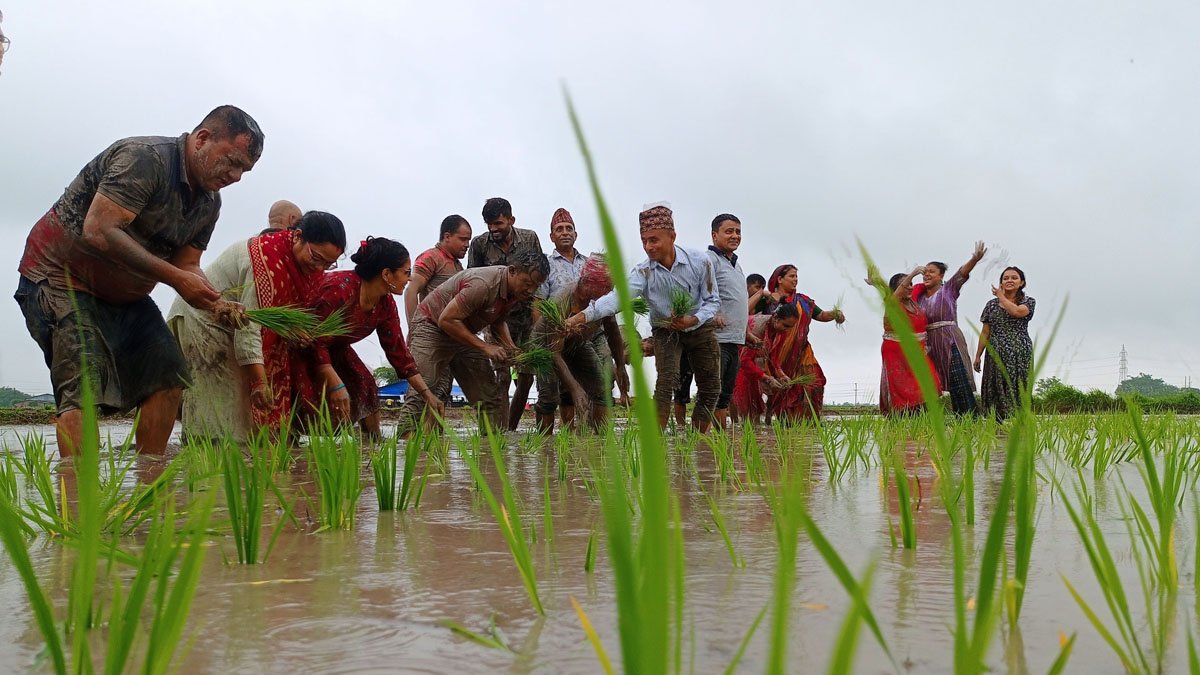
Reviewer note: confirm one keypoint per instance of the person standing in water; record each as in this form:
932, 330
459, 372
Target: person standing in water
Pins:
938, 298
1006, 330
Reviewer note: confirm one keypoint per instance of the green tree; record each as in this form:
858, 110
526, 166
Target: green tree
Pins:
386, 374
1046, 384
1146, 385
10, 397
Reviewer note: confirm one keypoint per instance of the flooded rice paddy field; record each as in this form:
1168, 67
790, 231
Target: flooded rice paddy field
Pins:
370, 599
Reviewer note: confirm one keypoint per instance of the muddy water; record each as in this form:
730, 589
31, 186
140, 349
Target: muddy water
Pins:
369, 600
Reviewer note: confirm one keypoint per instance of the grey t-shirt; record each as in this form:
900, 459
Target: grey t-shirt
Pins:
144, 174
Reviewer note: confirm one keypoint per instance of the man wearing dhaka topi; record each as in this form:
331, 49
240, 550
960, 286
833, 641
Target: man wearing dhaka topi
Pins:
139, 214
672, 270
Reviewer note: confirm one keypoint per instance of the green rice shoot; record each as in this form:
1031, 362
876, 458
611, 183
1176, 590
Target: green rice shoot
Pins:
536, 358
641, 306
293, 323
554, 313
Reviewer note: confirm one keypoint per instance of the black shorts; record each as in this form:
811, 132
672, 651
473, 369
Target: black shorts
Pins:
130, 351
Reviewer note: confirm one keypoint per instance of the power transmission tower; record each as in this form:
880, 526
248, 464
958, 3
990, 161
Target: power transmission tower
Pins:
1124, 366
855, 393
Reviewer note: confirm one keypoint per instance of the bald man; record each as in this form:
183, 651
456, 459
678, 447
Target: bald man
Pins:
281, 216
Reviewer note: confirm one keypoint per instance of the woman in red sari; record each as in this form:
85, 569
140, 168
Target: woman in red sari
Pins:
758, 364
899, 392
793, 354
364, 296
287, 266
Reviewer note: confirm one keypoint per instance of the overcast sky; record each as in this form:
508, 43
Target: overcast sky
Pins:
1063, 134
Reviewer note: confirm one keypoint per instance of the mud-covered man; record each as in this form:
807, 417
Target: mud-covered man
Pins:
139, 214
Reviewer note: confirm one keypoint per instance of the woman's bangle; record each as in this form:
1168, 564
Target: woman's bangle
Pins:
340, 386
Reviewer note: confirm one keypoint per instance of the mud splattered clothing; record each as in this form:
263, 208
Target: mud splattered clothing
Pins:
130, 350
145, 175
482, 296
340, 290
435, 266
484, 253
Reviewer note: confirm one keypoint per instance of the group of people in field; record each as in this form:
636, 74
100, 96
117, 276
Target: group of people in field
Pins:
143, 211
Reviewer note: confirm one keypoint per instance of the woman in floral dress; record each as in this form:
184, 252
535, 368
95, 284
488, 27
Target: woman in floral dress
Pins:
1006, 331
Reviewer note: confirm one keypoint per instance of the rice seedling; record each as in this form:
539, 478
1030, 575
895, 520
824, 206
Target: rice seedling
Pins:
641, 570
535, 358
246, 486
641, 306
335, 460
293, 323
844, 649
555, 314
547, 512
507, 513
908, 531
741, 651
682, 305
384, 462
593, 638
589, 556
493, 639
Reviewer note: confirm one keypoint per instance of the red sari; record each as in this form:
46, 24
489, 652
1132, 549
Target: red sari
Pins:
792, 356
279, 282
339, 290
899, 391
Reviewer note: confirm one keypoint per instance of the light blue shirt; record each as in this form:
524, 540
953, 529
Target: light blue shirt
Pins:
734, 303
562, 273
692, 272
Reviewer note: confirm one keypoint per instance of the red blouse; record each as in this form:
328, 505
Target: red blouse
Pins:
340, 290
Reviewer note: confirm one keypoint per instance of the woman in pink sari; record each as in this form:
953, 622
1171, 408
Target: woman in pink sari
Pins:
801, 377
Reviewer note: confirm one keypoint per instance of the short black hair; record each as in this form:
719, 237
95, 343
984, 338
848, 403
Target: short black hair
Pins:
716, 224
787, 310
228, 122
450, 225
378, 254
940, 265
756, 279
494, 208
894, 282
319, 227
531, 262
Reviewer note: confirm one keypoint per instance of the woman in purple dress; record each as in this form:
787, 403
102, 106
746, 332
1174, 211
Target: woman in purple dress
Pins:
938, 298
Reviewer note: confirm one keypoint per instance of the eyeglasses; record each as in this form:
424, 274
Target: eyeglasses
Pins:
319, 260
5, 43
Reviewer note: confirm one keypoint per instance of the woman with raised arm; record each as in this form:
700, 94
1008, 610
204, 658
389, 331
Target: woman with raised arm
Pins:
801, 377
1006, 331
938, 298
382, 269
899, 391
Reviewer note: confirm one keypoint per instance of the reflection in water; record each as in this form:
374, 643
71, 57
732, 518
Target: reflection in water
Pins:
371, 599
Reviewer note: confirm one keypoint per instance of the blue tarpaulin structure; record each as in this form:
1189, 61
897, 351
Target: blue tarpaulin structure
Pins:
393, 394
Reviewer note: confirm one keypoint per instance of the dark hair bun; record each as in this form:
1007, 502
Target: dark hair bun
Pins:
377, 254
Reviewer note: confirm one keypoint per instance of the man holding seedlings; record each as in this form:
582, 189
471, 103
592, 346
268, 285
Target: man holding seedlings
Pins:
582, 370
566, 265
499, 246
443, 331
140, 213
680, 286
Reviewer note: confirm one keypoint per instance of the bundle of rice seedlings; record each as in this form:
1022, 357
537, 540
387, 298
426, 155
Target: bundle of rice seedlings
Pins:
804, 380
293, 323
640, 306
536, 358
287, 322
682, 304
333, 325
553, 313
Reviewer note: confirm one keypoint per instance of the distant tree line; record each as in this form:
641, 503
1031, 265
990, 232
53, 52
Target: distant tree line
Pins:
1052, 395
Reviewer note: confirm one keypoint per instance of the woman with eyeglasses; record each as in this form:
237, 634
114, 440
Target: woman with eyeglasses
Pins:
244, 379
364, 297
